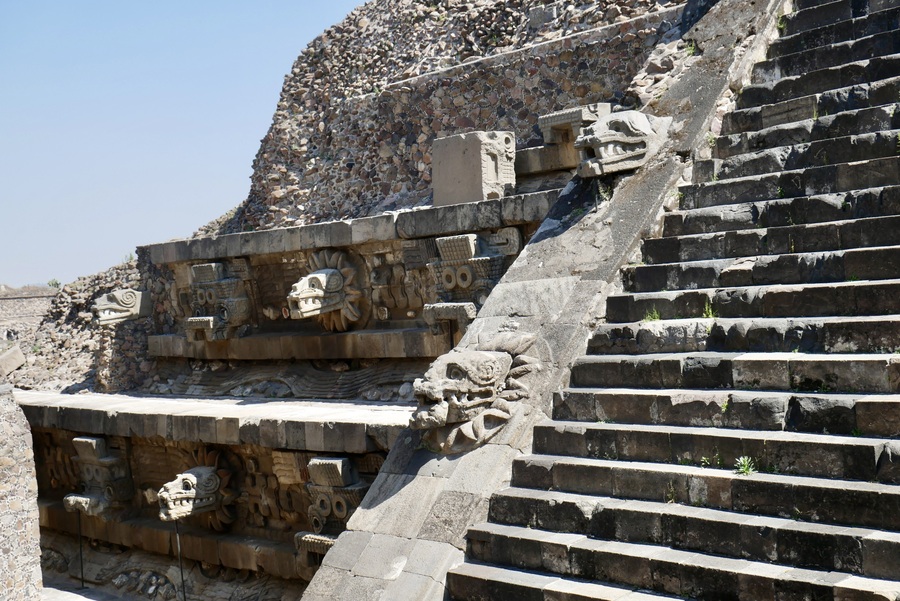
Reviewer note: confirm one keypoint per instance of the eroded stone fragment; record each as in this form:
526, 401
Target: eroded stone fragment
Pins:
620, 141
467, 396
219, 304
121, 305
105, 479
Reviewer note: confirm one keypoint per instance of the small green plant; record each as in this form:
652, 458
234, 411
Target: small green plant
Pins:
36, 348
856, 432
726, 406
691, 48
128, 258
711, 139
54, 283
709, 312
652, 315
744, 466
779, 192
782, 24
704, 462
670, 493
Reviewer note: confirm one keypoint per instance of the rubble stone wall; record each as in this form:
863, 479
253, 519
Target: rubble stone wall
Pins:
366, 154
70, 351
20, 554
23, 306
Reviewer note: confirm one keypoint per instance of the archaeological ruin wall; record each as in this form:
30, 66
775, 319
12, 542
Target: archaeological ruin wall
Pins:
20, 554
367, 154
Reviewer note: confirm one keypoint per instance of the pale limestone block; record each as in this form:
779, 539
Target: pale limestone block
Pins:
474, 166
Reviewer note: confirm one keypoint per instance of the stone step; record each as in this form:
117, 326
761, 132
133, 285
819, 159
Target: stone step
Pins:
825, 57
836, 235
882, 16
819, 15
479, 582
869, 415
819, 81
872, 553
820, 153
838, 502
785, 212
810, 300
852, 97
779, 452
665, 570
833, 372
857, 334
867, 120
875, 263
799, 183
859, 5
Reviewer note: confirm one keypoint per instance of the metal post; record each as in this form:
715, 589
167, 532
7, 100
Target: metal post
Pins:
80, 548
180, 562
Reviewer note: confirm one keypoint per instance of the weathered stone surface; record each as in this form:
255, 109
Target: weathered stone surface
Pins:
474, 166
11, 359
20, 566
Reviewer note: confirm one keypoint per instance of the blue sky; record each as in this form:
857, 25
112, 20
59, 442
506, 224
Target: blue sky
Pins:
127, 123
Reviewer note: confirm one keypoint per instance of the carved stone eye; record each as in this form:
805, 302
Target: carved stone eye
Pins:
456, 373
186, 485
223, 313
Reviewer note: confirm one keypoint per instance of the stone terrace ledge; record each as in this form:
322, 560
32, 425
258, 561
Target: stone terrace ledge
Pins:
405, 224
317, 426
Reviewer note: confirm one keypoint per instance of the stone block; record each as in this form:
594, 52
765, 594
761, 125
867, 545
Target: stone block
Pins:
383, 558
10, 360
346, 550
546, 158
238, 552
538, 297
473, 166
433, 559
563, 127
373, 229
397, 504
451, 515
415, 586
277, 559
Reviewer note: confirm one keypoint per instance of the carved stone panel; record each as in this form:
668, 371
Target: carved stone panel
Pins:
220, 307
121, 305
106, 483
473, 166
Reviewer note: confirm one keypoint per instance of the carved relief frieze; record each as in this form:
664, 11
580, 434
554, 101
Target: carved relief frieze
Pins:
57, 470
336, 491
220, 306
468, 396
470, 265
106, 483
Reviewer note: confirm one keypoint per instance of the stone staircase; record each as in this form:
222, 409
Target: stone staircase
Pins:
733, 431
